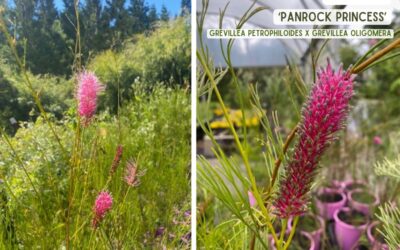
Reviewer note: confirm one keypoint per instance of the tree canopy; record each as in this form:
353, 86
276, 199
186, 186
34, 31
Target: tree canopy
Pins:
50, 33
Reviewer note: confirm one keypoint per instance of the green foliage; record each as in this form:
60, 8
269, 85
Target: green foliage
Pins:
186, 7
53, 168
231, 178
390, 217
164, 16
138, 12
35, 187
163, 56
154, 131
47, 36
347, 55
17, 102
389, 168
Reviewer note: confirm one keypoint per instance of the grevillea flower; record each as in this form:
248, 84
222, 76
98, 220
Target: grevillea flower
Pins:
102, 205
378, 140
252, 200
323, 115
132, 174
88, 89
117, 159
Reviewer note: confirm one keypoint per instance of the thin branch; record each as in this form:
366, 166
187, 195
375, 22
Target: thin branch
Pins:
375, 57
278, 161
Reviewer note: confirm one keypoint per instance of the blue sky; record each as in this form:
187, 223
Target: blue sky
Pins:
173, 6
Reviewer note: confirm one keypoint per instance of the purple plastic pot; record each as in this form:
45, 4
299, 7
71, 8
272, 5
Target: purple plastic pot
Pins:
327, 209
337, 184
361, 246
346, 185
317, 234
362, 207
347, 235
376, 245
334, 184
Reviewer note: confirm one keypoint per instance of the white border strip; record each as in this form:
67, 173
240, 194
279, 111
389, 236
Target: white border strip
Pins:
357, 2
193, 127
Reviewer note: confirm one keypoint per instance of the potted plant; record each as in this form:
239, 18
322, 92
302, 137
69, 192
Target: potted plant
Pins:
375, 237
328, 201
333, 184
311, 224
351, 185
350, 224
362, 200
361, 246
302, 241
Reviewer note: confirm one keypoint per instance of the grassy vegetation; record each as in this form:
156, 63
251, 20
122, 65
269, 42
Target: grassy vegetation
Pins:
53, 166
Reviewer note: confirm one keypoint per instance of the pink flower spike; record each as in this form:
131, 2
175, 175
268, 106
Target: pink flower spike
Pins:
117, 159
132, 174
252, 200
378, 140
323, 115
88, 89
102, 205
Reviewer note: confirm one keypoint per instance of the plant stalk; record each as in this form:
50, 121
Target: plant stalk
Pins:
289, 240
239, 145
376, 56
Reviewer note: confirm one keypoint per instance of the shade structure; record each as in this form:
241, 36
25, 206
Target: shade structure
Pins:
262, 52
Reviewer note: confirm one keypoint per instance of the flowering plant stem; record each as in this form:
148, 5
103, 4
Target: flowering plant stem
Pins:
362, 66
241, 150
284, 224
359, 68
278, 161
75, 159
289, 240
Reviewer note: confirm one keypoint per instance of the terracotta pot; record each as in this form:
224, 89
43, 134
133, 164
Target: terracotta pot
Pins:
327, 209
360, 206
317, 234
376, 245
347, 235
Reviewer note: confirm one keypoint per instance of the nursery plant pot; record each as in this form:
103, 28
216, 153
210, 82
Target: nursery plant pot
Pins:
375, 238
350, 224
311, 224
351, 185
361, 246
328, 201
335, 184
302, 241
363, 201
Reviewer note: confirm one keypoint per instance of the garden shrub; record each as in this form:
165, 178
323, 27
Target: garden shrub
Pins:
163, 56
